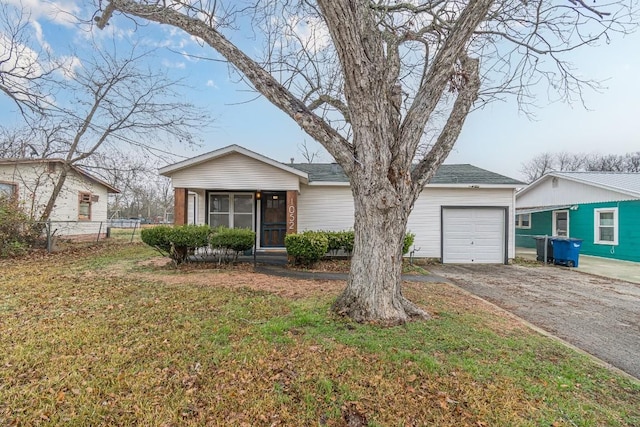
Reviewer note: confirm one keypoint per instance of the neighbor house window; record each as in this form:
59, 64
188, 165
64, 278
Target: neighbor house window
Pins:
233, 210
523, 220
84, 207
606, 226
8, 189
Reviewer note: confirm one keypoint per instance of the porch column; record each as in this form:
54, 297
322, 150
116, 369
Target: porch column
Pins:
180, 206
292, 212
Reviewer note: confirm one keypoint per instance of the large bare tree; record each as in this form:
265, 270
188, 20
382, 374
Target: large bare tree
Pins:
374, 81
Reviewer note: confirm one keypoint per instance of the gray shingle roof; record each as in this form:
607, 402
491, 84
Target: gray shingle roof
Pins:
447, 174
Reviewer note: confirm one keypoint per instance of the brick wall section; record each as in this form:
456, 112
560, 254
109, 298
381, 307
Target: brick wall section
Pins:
180, 206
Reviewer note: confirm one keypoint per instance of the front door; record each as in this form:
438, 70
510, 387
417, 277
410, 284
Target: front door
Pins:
561, 223
273, 216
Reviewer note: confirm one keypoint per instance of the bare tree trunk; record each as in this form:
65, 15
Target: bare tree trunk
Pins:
373, 291
62, 178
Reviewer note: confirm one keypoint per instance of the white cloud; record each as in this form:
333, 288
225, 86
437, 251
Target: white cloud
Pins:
69, 65
60, 12
211, 83
168, 64
310, 32
40, 37
18, 59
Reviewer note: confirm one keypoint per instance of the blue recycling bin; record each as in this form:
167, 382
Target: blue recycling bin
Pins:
566, 251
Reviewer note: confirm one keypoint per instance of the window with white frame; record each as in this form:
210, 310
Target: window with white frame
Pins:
232, 210
523, 220
606, 226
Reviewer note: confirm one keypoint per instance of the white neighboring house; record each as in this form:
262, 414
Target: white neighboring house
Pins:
81, 206
465, 215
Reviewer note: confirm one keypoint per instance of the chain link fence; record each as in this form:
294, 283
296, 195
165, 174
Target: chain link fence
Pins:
59, 234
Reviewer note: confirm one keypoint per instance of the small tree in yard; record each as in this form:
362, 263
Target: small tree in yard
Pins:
369, 79
16, 229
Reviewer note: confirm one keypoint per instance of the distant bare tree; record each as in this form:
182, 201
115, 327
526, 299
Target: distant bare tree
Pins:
14, 143
565, 161
307, 153
573, 162
605, 163
632, 162
538, 166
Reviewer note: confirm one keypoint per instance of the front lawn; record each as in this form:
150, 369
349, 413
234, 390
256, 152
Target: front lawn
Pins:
108, 336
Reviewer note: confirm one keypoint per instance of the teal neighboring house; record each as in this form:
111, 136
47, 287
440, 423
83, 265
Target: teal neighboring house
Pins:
601, 208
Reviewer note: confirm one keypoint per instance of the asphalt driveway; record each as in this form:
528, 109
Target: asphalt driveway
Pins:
599, 315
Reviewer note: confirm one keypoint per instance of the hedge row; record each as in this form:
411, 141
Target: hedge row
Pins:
309, 247
181, 241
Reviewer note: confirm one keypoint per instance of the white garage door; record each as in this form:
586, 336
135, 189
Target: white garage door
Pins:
473, 235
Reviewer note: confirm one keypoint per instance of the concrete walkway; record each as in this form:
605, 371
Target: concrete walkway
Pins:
604, 267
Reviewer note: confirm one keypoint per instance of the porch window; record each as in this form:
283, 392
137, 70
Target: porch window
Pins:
233, 210
606, 226
523, 220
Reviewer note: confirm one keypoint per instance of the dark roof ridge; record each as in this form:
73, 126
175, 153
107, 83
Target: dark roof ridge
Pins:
447, 174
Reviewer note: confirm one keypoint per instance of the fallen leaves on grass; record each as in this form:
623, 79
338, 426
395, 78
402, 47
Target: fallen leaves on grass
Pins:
101, 341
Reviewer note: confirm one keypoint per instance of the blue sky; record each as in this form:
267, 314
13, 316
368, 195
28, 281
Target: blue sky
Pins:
498, 137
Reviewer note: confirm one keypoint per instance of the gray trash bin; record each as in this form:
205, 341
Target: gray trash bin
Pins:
540, 248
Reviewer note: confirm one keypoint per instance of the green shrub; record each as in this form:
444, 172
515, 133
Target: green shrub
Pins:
17, 231
340, 240
157, 237
409, 238
343, 240
306, 248
234, 240
176, 242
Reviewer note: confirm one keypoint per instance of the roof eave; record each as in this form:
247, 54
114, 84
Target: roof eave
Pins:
330, 183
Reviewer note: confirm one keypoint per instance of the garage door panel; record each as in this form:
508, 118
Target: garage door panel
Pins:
473, 235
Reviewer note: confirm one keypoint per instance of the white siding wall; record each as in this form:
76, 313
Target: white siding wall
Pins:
566, 192
425, 218
325, 208
331, 208
235, 172
35, 185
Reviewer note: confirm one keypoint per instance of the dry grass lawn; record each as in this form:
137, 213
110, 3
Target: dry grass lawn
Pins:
111, 336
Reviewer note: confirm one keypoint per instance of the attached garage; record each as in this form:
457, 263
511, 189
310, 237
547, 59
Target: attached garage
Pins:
474, 235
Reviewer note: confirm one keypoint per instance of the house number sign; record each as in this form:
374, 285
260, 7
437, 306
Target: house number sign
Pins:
292, 218
292, 212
